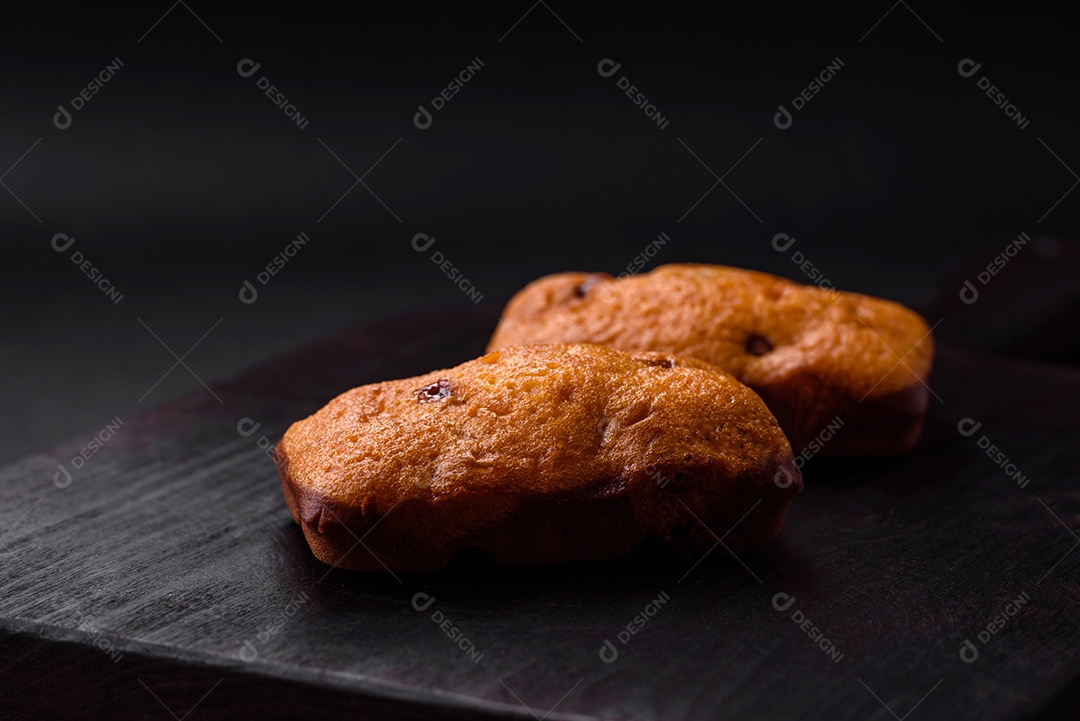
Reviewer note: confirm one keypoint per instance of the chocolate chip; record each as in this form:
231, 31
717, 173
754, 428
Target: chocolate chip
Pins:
658, 362
436, 391
758, 345
589, 282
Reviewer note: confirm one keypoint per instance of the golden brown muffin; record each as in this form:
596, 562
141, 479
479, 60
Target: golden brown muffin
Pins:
843, 373
539, 454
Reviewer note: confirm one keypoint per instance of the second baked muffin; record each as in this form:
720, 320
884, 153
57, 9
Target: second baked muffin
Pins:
844, 373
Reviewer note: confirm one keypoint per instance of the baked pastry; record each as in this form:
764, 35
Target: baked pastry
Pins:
843, 373
539, 454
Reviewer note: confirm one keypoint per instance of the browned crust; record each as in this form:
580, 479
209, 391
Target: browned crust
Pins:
689, 495
830, 355
844, 426
547, 530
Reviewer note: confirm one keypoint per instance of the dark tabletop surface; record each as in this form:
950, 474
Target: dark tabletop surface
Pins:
168, 573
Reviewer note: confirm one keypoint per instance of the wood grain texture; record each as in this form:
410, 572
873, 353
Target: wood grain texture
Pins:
169, 575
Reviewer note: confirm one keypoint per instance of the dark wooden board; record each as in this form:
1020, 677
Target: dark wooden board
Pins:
172, 550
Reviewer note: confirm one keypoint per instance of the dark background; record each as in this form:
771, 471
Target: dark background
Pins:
180, 179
